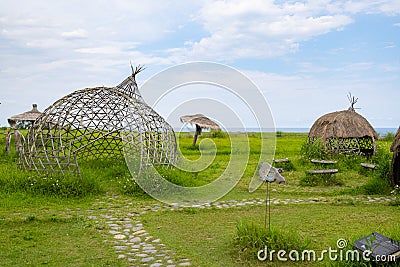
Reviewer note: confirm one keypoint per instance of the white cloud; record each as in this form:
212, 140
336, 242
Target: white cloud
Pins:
78, 33
48, 48
388, 7
254, 29
110, 50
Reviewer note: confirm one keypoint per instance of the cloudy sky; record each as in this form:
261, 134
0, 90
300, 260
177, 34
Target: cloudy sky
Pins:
305, 56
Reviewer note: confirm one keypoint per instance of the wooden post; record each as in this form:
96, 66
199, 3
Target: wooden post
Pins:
8, 140
196, 134
17, 138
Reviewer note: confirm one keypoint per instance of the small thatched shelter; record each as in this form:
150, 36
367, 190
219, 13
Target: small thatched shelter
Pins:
201, 122
395, 170
23, 120
344, 131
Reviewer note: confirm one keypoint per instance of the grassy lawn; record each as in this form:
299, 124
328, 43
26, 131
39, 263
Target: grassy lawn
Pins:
37, 231
206, 235
44, 219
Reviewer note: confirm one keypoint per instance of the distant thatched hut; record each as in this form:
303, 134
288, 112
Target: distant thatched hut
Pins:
344, 131
201, 122
395, 170
26, 118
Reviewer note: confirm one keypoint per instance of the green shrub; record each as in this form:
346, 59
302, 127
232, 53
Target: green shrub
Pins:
379, 184
250, 238
218, 134
312, 150
324, 179
349, 162
286, 166
376, 186
388, 137
396, 195
69, 185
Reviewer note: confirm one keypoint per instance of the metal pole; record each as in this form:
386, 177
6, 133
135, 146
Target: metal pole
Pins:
269, 211
266, 207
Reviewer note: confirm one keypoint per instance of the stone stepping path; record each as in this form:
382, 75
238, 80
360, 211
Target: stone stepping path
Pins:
119, 223
124, 231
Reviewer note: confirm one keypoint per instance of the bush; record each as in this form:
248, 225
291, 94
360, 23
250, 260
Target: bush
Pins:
350, 162
325, 179
396, 195
376, 186
251, 238
379, 184
388, 137
56, 185
314, 150
383, 160
286, 166
218, 134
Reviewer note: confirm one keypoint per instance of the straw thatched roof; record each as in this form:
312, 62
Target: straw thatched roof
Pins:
200, 120
29, 116
396, 143
342, 124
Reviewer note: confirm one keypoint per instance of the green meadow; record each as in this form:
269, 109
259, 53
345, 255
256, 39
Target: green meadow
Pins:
44, 219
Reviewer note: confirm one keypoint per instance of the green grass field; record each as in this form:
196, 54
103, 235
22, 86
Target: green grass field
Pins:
44, 219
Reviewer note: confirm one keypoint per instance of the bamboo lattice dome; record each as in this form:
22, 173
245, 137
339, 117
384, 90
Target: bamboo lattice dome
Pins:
95, 123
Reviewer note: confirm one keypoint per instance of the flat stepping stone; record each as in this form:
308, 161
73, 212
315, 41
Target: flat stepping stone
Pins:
330, 171
319, 161
121, 247
119, 236
139, 232
135, 240
148, 259
368, 166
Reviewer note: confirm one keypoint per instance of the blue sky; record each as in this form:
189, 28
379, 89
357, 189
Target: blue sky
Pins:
305, 56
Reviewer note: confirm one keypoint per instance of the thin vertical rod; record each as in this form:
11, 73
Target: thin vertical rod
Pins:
269, 210
266, 207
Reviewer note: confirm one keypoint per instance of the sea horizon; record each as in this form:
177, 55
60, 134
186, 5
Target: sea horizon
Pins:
381, 131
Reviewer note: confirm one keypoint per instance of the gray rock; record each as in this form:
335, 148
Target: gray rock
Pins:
121, 247
147, 259
119, 236
135, 240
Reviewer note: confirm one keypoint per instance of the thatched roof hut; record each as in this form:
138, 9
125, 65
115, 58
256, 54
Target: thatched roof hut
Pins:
395, 170
29, 117
345, 131
201, 122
